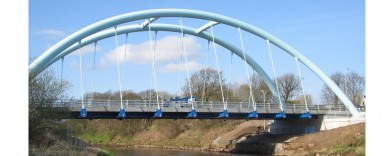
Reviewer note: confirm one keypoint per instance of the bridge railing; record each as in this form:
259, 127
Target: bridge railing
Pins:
186, 104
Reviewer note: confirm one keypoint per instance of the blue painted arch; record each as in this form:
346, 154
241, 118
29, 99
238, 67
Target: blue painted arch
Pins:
146, 14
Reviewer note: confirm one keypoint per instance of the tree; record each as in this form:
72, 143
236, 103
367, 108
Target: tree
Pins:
148, 94
44, 91
130, 95
207, 80
327, 95
301, 99
260, 90
164, 95
126, 95
242, 92
355, 87
151, 94
289, 86
99, 96
258, 87
109, 95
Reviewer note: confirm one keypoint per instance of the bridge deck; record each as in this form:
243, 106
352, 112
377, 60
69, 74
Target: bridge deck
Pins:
143, 109
111, 112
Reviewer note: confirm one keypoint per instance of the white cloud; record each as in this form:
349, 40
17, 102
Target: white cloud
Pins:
51, 33
171, 67
168, 49
75, 64
85, 50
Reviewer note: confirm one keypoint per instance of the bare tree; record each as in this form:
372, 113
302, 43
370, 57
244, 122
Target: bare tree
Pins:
101, 96
146, 94
260, 90
112, 95
327, 95
355, 87
130, 95
207, 80
233, 91
126, 95
301, 99
164, 94
242, 92
238, 92
289, 86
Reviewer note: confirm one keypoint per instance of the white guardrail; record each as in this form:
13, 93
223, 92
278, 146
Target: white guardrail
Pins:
197, 104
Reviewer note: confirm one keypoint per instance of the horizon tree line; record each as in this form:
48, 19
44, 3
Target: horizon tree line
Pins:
205, 86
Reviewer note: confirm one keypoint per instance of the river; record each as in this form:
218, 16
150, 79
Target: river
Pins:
127, 151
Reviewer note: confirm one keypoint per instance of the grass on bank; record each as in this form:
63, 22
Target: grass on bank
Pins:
356, 146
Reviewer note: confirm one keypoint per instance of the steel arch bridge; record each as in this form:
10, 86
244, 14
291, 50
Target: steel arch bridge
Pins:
96, 31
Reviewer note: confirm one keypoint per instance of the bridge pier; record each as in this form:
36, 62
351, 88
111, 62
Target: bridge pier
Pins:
299, 126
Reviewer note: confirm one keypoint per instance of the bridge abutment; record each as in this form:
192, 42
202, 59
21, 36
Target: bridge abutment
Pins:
299, 126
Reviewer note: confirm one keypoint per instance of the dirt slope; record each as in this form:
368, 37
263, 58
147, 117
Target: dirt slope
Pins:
245, 128
338, 136
348, 140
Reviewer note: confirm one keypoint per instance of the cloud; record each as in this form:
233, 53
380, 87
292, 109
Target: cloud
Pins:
75, 64
171, 67
85, 50
168, 49
51, 33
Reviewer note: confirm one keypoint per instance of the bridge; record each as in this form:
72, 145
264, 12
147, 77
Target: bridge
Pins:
144, 109
322, 117
191, 109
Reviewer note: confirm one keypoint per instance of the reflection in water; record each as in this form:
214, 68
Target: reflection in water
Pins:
127, 151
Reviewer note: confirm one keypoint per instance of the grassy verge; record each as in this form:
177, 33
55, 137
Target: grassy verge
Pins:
96, 138
357, 146
147, 132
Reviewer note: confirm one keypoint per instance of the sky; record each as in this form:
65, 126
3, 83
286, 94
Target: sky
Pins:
330, 33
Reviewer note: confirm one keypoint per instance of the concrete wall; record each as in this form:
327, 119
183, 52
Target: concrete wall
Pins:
331, 122
299, 126
304, 126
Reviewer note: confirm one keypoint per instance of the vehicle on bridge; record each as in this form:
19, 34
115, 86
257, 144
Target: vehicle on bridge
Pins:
180, 101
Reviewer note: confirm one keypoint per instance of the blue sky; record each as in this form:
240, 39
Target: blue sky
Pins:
330, 33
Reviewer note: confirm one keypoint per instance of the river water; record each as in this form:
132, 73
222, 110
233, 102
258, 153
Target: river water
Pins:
127, 151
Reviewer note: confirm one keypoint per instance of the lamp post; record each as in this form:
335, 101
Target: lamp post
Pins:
262, 91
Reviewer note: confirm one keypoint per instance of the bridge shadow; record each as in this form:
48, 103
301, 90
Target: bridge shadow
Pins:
142, 113
261, 143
